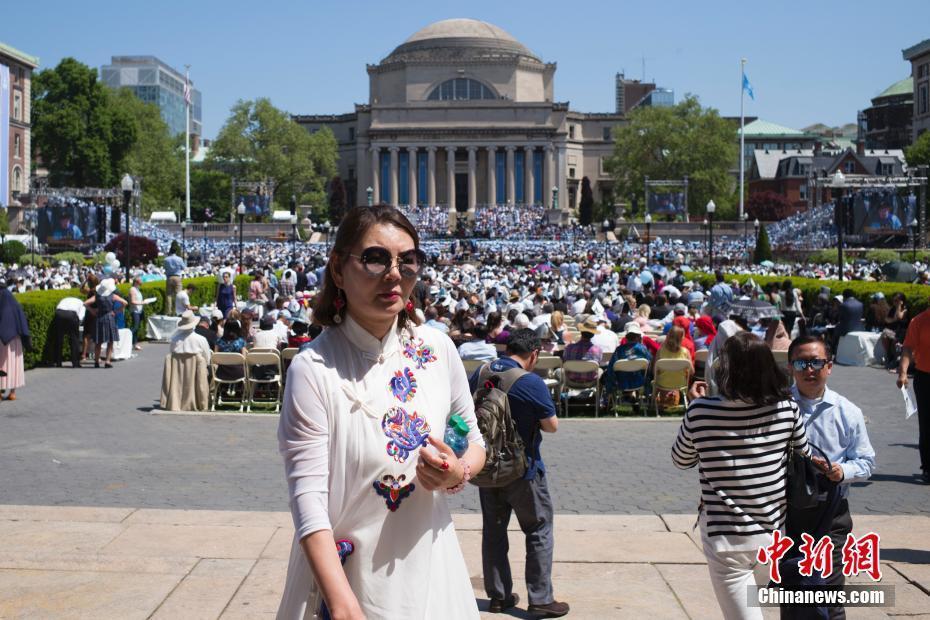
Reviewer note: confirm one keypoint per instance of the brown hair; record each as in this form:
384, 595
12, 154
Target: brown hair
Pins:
354, 225
746, 370
673, 339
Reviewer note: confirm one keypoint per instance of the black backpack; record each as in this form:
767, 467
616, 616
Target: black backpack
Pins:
506, 456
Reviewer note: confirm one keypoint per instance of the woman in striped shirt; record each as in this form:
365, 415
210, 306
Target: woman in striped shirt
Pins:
739, 440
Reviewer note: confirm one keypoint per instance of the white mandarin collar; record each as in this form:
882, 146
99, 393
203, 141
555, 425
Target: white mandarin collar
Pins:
369, 346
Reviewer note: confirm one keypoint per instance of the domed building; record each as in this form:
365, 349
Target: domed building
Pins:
461, 115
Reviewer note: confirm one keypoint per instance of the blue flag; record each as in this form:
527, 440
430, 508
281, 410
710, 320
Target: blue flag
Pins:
748, 87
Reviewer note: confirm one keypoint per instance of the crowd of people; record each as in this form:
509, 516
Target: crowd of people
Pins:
381, 308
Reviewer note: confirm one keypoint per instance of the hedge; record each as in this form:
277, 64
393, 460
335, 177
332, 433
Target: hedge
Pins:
39, 307
917, 295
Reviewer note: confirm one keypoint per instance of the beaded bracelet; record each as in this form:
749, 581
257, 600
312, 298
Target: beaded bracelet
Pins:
461, 485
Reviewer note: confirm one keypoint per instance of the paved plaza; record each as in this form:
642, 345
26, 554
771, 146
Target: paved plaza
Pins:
110, 511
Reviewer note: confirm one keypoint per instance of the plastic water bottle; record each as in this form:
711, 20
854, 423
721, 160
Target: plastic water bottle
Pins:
456, 436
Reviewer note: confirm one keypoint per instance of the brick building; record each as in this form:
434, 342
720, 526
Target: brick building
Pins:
15, 113
919, 57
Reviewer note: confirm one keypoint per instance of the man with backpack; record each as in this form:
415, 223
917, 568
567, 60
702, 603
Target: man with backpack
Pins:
532, 410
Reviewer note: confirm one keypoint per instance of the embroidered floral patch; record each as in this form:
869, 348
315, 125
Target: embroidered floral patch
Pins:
393, 490
404, 385
421, 353
405, 431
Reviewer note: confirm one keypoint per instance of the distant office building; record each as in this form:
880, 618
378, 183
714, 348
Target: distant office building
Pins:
15, 122
919, 57
155, 82
887, 123
632, 94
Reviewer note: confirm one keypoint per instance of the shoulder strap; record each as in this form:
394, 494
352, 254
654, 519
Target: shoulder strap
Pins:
509, 377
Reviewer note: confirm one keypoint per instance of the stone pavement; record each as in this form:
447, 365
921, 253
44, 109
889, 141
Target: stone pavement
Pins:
85, 438
124, 563
108, 511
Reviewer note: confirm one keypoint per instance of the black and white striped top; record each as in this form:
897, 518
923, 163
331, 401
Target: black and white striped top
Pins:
741, 453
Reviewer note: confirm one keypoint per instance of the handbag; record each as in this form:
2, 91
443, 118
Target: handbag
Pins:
806, 483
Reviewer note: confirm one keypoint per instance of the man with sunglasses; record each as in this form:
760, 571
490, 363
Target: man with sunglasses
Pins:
837, 427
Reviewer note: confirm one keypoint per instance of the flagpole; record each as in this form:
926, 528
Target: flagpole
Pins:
187, 144
742, 138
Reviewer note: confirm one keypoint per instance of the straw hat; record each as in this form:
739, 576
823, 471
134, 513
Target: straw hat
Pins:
189, 320
589, 326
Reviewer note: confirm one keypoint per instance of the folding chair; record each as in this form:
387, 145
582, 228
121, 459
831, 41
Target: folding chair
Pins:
581, 389
549, 367
265, 359
471, 366
605, 358
633, 365
673, 366
287, 355
219, 386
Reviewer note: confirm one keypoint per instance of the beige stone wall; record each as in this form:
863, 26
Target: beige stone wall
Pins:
415, 82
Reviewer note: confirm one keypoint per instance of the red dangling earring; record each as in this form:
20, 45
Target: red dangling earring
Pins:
338, 303
409, 306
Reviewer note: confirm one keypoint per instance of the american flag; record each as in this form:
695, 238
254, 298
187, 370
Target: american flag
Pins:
187, 92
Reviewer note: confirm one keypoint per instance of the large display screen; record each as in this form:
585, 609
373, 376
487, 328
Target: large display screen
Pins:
882, 211
667, 203
68, 221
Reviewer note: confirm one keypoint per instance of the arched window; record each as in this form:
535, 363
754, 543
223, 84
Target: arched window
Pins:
17, 179
461, 89
17, 146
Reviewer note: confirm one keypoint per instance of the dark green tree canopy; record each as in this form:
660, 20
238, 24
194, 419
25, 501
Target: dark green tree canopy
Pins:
674, 142
918, 154
77, 131
763, 247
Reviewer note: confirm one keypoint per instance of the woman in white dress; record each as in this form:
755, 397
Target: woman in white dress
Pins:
365, 408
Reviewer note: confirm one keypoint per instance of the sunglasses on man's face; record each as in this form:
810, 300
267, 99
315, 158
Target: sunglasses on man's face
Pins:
802, 365
377, 261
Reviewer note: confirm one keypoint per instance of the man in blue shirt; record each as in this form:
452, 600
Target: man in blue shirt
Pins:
532, 410
174, 267
721, 295
837, 427
632, 348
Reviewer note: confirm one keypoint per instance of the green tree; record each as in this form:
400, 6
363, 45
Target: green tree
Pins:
80, 136
671, 142
4, 221
918, 154
586, 203
210, 189
260, 141
763, 248
155, 155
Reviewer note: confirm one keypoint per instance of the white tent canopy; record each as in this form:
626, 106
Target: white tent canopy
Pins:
281, 216
163, 216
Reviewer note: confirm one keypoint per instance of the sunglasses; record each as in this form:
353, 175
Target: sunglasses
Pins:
377, 261
802, 365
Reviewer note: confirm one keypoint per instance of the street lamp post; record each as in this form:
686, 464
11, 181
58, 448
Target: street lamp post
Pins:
126, 185
240, 210
711, 207
32, 242
371, 195
706, 238
205, 243
914, 226
606, 226
184, 239
745, 217
294, 238
838, 183
648, 239
756, 225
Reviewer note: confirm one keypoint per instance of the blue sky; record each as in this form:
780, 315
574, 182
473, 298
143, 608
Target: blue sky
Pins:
820, 61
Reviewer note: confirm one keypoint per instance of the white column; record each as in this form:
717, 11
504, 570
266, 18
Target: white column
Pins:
412, 175
450, 180
393, 150
550, 176
510, 182
472, 180
492, 175
560, 158
375, 169
529, 186
431, 176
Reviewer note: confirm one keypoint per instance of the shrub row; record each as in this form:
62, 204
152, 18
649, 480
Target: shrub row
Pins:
917, 295
39, 307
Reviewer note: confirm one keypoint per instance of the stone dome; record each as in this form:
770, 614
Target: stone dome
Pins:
460, 39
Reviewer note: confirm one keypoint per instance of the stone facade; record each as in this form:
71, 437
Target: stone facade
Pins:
919, 57
462, 115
